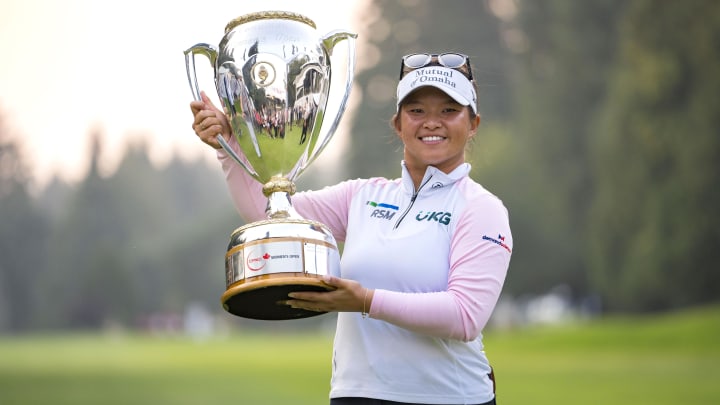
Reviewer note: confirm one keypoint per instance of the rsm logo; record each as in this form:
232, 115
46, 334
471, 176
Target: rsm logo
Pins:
383, 214
382, 210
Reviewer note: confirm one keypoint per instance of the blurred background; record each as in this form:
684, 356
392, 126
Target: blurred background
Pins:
600, 132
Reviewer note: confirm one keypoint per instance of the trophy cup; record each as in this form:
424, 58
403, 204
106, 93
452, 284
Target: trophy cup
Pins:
273, 75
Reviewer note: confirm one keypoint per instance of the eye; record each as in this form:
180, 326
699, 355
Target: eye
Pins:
414, 109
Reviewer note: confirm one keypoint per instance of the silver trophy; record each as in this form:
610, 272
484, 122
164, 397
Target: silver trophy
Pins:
273, 76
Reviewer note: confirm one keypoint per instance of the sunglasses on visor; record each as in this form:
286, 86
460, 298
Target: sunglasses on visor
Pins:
456, 61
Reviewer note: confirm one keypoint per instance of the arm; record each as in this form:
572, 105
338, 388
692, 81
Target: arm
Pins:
477, 272
245, 192
328, 206
208, 122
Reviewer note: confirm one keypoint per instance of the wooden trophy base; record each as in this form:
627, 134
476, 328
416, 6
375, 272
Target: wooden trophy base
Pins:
259, 297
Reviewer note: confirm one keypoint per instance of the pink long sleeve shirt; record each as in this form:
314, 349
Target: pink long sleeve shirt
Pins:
437, 259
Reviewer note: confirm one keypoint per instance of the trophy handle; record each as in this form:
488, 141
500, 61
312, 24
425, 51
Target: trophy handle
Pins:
329, 41
211, 53
203, 49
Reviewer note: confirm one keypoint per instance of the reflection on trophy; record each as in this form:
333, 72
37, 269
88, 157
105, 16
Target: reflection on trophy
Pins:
273, 76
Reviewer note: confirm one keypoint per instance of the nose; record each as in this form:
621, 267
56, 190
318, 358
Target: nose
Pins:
431, 123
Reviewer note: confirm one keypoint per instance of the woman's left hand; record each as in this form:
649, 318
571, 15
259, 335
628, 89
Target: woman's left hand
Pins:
346, 296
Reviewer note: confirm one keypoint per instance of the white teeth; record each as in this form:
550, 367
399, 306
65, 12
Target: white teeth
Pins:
432, 138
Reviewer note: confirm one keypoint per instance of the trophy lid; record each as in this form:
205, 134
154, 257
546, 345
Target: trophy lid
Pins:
268, 15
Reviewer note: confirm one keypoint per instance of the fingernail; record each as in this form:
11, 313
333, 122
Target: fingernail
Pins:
291, 295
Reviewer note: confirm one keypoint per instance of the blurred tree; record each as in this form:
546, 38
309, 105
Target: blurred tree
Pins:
655, 229
23, 238
184, 257
90, 234
137, 242
563, 52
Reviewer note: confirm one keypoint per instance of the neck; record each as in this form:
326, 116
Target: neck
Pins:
416, 174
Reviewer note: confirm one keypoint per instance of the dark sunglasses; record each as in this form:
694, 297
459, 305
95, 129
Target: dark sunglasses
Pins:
456, 61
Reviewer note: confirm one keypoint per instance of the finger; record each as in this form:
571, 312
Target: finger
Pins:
202, 115
208, 103
212, 140
199, 128
196, 106
209, 136
306, 296
209, 125
203, 104
204, 97
332, 281
298, 304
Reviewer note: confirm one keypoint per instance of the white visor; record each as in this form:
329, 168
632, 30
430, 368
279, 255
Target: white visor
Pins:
450, 81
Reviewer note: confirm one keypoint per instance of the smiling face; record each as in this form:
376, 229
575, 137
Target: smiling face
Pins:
435, 130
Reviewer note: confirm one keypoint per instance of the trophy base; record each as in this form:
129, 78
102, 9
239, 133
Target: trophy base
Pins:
258, 299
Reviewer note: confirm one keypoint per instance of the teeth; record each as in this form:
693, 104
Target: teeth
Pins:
432, 138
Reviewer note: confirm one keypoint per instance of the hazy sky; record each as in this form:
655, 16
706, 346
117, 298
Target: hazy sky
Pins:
72, 66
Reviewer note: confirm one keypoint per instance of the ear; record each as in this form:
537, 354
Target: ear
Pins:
395, 123
474, 124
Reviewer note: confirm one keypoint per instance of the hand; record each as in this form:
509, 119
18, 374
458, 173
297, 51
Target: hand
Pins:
347, 296
209, 121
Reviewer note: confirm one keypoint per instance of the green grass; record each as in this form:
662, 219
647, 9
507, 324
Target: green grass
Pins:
248, 369
666, 359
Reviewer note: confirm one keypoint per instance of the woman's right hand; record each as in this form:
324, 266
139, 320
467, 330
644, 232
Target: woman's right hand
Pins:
209, 121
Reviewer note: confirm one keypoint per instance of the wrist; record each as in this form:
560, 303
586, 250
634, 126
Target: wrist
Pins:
367, 302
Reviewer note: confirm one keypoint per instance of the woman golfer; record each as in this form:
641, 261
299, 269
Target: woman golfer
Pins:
425, 255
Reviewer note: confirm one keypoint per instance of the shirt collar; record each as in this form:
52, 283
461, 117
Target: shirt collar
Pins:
434, 178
